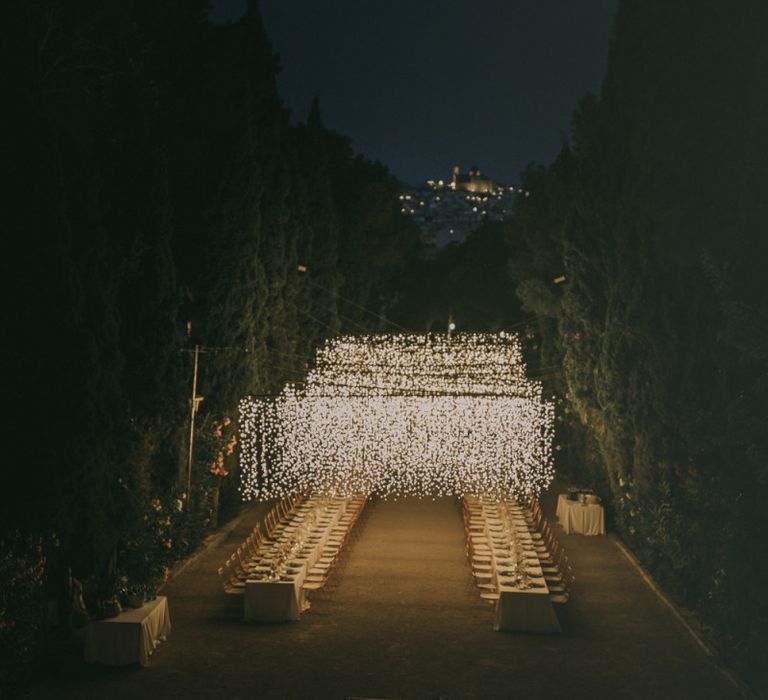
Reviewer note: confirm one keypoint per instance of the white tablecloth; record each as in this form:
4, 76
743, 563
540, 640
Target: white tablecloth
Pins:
580, 519
519, 609
274, 601
282, 601
131, 636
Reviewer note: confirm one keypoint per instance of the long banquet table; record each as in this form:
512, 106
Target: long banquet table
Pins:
278, 596
523, 606
580, 518
131, 636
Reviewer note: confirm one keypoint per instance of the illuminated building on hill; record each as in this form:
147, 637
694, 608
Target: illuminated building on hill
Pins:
447, 212
473, 181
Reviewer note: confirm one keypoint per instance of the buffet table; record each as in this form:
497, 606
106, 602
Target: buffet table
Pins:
271, 598
131, 636
579, 518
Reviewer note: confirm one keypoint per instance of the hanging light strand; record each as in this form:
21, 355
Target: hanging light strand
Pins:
424, 415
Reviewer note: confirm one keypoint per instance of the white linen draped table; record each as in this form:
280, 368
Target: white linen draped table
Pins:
131, 636
578, 518
517, 609
282, 600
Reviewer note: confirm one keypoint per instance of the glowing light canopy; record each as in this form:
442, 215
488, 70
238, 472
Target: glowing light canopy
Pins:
425, 415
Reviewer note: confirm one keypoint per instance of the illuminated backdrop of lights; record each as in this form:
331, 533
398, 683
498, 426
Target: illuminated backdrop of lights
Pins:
425, 415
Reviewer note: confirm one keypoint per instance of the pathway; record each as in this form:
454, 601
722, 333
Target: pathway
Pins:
401, 620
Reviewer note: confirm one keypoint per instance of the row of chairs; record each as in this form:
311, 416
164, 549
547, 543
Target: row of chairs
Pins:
318, 575
555, 564
288, 512
479, 558
235, 570
557, 570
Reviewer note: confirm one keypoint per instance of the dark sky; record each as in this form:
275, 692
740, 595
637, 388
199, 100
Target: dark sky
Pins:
424, 84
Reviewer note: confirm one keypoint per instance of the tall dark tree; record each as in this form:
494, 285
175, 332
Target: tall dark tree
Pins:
658, 228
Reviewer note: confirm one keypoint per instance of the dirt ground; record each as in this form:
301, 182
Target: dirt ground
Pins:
401, 619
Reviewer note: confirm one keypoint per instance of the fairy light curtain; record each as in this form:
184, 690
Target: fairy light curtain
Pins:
425, 415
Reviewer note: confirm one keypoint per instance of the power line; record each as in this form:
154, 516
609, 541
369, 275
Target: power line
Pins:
373, 313
315, 283
323, 323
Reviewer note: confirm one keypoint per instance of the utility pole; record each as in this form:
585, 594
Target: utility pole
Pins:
193, 412
194, 404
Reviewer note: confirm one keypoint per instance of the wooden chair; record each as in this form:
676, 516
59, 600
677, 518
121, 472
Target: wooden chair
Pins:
234, 576
244, 562
284, 510
272, 526
560, 588
251, 546
559, 594
236, 588
549, 557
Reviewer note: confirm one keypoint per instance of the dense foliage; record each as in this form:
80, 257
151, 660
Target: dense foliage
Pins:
656, 217
466, 283
158, 199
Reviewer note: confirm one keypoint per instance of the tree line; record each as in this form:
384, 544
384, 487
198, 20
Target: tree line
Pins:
657, 337
158, 198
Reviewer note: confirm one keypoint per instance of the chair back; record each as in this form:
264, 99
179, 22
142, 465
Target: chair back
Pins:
230, 572
223, 577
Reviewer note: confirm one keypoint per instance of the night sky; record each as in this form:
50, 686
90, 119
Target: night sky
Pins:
422, 85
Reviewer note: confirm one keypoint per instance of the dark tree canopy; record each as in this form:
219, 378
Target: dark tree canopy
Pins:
158, 198
656, 219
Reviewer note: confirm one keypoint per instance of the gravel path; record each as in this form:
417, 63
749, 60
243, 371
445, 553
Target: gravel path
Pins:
400, 619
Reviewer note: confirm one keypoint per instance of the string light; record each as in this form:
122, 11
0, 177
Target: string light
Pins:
424, 415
